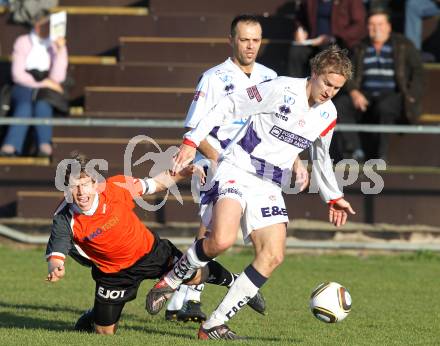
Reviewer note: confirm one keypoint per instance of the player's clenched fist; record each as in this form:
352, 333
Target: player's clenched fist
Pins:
56, 271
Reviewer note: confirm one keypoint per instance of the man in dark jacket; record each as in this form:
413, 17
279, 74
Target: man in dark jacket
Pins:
320, 23
386, 87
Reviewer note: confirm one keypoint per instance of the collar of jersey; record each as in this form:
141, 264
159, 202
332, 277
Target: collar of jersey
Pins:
89, 212
238, 68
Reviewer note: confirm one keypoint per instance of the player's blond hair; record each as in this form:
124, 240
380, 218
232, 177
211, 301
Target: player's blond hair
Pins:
332, 60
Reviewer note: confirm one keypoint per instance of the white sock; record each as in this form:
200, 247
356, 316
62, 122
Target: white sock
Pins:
238, 295
178, 298
194, 292
184, 267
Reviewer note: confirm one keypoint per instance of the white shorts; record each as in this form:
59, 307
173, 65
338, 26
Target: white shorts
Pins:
262, 202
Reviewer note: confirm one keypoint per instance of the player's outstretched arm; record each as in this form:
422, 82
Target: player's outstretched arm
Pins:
56, 270
338, 212
165, 179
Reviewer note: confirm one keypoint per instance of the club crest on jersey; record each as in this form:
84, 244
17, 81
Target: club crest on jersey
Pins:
290, 100
325, 114
225, 78
198, 94
253, 93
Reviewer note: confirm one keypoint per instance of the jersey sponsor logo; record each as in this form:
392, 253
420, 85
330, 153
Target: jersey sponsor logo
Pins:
290, 138
230, 190
93, 235
229, 88
110, 294
253, 93
104, 228
281, 116
273, 211
198, 94
284, 109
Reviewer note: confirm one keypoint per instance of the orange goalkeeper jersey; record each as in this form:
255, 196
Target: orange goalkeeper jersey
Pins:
113, 238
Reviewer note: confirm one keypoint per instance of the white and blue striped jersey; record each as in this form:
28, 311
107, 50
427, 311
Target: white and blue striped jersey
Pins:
281, 125
215, 83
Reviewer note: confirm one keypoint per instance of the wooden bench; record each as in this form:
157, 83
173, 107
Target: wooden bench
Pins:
196, 50
104, 3
229, 8
139, 101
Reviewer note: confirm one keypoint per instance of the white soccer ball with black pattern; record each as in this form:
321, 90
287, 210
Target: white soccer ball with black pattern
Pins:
330, 302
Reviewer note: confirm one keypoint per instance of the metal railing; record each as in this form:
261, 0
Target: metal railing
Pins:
156, 123
22, 237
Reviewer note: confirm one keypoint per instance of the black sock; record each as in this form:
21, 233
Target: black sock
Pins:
200, 252
219, 275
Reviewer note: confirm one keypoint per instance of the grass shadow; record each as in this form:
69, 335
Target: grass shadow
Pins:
11, 320
50, 308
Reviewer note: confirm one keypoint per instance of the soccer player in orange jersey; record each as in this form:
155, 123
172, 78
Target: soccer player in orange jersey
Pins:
100, 229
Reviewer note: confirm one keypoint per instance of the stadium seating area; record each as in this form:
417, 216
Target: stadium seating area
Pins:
137, 60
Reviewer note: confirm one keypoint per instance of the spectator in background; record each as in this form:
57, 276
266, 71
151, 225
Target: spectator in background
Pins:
415, 11
386, 86
36, 63
320, 23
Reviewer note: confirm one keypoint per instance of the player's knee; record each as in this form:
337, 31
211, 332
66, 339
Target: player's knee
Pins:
222, 245
272, 260
278, 259
214, 246
106, 330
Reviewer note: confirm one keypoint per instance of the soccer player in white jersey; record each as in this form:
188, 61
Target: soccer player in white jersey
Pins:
236, 73
288, 115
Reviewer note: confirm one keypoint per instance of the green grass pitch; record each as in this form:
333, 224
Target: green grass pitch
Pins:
396, 301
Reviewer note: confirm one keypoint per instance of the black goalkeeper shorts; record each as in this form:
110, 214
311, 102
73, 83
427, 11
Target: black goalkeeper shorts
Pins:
114, 290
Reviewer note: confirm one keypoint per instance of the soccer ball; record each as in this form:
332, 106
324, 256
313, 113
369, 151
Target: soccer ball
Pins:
330, 302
